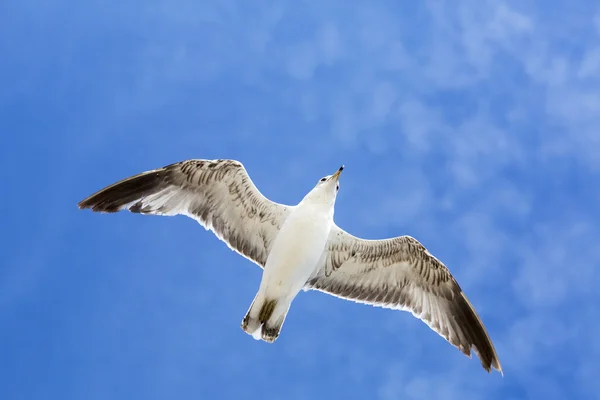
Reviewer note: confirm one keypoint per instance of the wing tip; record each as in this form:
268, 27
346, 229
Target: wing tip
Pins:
115, 197
97, 207
494, 365
487, 355
491, 364
89, 203
102, 201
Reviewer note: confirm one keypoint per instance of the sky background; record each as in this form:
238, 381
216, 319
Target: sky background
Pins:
473, 126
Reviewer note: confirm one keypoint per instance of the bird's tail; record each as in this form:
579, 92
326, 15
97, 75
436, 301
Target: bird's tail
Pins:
264, 319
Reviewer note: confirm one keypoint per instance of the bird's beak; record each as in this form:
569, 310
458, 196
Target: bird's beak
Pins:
336, 176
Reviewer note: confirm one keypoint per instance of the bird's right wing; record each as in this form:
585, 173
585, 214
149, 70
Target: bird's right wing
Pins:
399, 273
219, 194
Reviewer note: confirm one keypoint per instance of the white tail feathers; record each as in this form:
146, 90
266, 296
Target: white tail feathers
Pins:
257, 333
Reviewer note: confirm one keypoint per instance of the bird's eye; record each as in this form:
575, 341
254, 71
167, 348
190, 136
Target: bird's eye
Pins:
337, 187
323, 179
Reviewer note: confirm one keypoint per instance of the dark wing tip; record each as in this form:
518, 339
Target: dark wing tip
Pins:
83, 204
476, 333
98, 205
112, 198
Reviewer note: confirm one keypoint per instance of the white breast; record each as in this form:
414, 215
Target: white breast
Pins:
297, 249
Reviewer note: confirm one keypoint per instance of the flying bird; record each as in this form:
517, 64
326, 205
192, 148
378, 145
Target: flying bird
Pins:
300, 247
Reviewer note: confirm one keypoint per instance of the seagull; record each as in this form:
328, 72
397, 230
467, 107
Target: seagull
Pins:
301, 248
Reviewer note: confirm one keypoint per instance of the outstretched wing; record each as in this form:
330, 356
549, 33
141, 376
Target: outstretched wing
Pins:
399, 273
219, 194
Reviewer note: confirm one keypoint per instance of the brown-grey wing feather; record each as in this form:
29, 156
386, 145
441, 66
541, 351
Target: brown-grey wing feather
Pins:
219, 194
399, 273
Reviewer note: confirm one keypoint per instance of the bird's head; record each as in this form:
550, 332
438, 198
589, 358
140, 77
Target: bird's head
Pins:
325, 191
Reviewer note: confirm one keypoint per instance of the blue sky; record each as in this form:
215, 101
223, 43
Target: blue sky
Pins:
473, 126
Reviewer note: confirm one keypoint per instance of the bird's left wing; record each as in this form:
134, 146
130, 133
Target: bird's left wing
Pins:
399, 273
219, 194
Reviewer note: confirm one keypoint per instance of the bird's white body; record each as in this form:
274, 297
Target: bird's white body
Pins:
296, 251
293, 259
